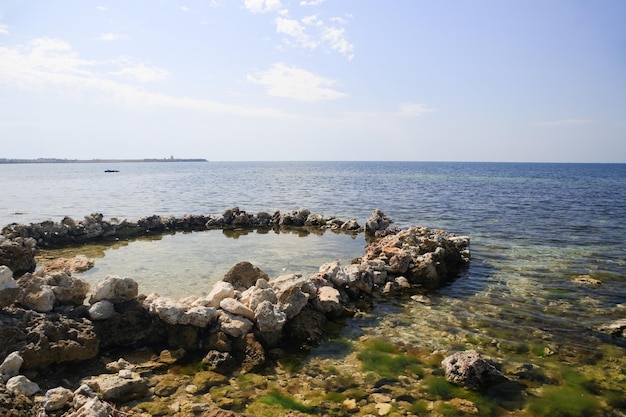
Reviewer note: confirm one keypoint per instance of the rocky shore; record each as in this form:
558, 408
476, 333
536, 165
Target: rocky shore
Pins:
72, 350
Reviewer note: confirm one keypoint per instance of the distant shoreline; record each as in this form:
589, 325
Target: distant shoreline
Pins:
84, 161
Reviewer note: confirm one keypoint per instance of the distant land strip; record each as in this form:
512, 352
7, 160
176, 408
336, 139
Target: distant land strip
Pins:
79, 161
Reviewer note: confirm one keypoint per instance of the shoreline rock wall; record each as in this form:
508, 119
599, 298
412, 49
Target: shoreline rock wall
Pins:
54, 317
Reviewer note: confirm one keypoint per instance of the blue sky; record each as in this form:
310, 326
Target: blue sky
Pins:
505, 80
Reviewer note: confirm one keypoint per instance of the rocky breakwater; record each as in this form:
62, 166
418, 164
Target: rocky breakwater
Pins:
51, 319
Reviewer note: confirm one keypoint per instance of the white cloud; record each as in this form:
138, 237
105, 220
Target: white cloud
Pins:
286, 81
102, 8
4, 29
51, 63
262, 6
414, 109
296, 31
141, 73
311, 2
184, 8
336, 39
564, 122
112, 37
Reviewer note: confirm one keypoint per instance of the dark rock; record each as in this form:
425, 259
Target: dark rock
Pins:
308, 327
244, 275
46, 339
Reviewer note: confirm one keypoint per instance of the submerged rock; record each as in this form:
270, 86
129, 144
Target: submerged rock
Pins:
470, 369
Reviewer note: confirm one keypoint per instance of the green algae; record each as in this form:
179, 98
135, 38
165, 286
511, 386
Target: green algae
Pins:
386, 360
440, 388
284, 401
564, 402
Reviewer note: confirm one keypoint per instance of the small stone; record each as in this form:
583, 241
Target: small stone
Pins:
22, 385
383, 408
57, 398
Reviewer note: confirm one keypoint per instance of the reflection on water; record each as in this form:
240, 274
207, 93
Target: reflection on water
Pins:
183, 264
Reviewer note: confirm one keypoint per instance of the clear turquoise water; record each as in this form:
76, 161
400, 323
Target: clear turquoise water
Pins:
534, 227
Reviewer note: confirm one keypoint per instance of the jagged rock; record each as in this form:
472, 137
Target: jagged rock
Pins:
269, 317
258, 293
11, 365
377, 221
219, 291
328, 300
35, 294
244, 275
351, 226
17, 252
254, 354
168, 310
236, 307
9, 290
294, 218
22, 385
469, 369
233, 325
15, 404
57, 398
425, 257
46, 339
115, 289
360, 278
115, 388
222, 362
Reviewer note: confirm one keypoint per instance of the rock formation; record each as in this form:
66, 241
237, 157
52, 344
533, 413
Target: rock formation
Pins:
56, 318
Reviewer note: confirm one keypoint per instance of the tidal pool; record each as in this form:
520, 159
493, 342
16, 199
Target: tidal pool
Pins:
183, 264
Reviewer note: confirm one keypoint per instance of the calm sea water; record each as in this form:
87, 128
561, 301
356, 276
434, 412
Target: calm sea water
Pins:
535, 228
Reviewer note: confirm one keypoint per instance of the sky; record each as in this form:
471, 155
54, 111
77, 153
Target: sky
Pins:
238, 80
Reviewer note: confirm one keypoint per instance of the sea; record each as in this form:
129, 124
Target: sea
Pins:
548, 240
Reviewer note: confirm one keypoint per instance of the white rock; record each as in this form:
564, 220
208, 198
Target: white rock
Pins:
168, 310
102, 310
220, 290
269, 317
9, 289
41, 301
255, 295
232, 325
125, 373
11, 365
6, 278
330, 269
236, 307
328, 300
57, 398
199, 316
115, 289
22, 385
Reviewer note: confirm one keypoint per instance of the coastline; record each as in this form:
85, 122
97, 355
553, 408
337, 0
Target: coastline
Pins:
91, 161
